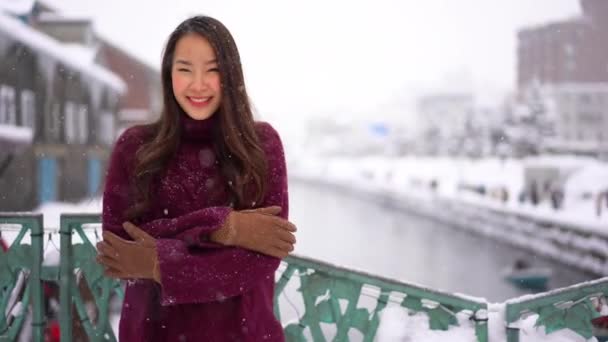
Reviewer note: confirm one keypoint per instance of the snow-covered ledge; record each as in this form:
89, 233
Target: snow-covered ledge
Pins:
14, 137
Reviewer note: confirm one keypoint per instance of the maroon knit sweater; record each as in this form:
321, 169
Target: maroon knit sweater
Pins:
207, 292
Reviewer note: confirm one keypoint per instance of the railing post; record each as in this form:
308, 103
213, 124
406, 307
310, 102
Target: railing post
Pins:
511, 322
512, 334
65, 276
481, 325
33, 223
37, 235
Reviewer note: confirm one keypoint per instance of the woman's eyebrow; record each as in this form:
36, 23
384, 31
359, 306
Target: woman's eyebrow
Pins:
181, 61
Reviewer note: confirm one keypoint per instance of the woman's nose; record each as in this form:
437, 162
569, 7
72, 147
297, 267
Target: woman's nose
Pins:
199, 82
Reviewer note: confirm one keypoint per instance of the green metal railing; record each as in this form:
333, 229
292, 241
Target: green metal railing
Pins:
322, 285
77, 261
324, 289
567, 308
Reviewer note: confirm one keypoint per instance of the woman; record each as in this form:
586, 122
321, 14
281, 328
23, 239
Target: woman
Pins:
203, 195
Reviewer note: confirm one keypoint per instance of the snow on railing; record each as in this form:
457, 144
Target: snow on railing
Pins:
574, 307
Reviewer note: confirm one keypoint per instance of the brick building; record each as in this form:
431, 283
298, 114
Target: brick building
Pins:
563, 67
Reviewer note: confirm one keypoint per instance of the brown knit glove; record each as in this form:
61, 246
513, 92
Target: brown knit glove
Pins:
125, 259
259, 230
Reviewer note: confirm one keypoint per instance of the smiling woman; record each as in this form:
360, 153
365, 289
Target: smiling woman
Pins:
202, 194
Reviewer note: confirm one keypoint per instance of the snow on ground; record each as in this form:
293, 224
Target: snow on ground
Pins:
397, 325
51, 214
53, 210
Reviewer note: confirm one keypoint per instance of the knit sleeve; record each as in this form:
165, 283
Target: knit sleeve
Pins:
192, 228
204, 275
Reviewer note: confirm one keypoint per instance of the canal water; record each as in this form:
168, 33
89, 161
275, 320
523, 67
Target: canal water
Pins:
340, 228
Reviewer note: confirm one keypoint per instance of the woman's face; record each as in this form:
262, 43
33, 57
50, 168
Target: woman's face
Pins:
195, 77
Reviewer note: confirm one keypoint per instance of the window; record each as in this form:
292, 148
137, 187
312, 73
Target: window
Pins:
3, 114
70, 123
568, 49
106, 128
570, 65
584, 99
76, 124
589, 118
28, 108
53, 123
82, 121
8, 112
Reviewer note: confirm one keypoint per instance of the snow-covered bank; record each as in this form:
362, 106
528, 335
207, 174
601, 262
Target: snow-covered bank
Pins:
448, 190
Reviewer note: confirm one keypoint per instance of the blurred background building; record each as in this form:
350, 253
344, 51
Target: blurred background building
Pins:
65, 95
562, 75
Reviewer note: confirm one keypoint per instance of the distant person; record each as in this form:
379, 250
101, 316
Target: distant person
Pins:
534, 195
557, 198
521, 198
504, 194
203, 194
601, 200
434, 184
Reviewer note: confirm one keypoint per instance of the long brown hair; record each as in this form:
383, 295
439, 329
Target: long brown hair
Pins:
237, 147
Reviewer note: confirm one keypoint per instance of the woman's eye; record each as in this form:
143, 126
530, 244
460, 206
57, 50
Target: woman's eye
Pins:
183, 70
214, 70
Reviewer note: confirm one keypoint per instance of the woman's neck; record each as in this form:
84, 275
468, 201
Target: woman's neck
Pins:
198, 130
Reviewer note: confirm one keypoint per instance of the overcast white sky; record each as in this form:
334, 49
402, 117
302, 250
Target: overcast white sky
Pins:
324, 57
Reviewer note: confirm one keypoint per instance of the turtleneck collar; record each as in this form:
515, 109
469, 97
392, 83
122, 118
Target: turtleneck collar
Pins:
198, 130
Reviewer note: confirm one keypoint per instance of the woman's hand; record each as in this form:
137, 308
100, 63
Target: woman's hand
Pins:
125, 259
259, 230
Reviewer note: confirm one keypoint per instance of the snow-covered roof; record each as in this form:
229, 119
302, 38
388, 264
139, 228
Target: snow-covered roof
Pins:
47, 45
13, 137
52, 17
82, 52
18, 7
